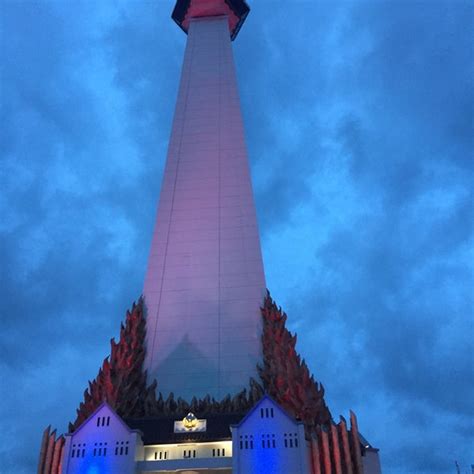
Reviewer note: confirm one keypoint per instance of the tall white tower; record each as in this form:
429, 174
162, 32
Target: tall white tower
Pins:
205, 282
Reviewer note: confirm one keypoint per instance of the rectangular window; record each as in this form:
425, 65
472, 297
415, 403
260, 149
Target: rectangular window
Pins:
291, 440
246, 442
268, 441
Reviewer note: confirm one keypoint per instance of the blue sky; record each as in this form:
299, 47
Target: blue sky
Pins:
359, 125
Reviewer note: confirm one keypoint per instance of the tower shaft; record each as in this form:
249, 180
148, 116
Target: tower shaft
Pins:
205, 281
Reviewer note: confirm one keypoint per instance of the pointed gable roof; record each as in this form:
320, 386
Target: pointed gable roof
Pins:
94, 413
267, 397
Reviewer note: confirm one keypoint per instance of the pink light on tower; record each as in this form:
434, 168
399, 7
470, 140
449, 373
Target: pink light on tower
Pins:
205, 281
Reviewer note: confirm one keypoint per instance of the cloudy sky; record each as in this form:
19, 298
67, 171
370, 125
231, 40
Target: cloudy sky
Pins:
359, 124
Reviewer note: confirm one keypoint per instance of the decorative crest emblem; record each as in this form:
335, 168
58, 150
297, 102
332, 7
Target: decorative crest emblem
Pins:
190, 421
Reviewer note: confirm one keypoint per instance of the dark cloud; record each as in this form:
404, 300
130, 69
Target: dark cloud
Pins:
359, 126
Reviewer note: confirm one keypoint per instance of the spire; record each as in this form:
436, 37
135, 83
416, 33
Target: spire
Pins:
205, 281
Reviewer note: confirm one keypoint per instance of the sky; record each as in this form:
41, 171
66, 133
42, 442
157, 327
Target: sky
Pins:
359, 125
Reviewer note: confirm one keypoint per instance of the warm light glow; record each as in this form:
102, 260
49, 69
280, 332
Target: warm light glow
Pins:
175, 451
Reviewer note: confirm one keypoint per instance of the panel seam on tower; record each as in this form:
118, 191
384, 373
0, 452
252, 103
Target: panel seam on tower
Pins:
219, 215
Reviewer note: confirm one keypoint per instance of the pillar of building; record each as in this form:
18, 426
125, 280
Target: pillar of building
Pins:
205, 282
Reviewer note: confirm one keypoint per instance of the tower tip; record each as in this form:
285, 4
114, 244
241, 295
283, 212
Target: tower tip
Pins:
187, 10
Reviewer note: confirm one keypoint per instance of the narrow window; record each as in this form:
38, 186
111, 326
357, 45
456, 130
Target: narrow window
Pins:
266, 413
98, 421
261, 412
103, 420
271, 412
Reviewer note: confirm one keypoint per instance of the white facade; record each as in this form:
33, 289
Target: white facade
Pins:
268, 441
205, 282
265, 441
103, 444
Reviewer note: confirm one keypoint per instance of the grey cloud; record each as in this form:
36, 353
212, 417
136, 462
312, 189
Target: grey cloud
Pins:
374, 97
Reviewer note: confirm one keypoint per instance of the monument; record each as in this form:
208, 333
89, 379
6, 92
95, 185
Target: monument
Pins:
205, 283
205, 377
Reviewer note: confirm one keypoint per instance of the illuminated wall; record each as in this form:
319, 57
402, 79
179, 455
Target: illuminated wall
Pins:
102, 445
162, 452
268, 441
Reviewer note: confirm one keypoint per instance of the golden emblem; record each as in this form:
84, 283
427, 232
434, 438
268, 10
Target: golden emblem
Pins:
190, 421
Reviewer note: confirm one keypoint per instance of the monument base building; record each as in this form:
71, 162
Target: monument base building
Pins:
205, 377
280, 424
266, 440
